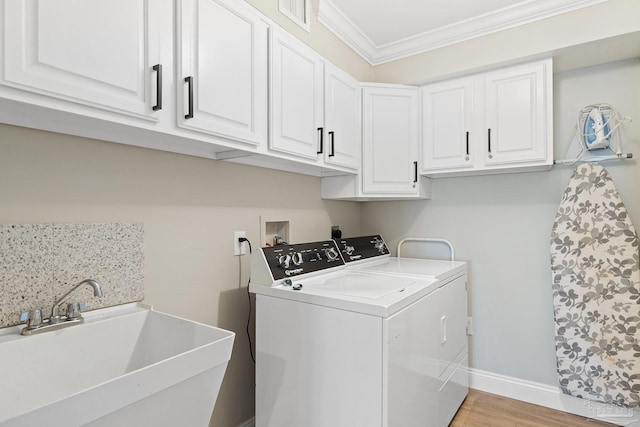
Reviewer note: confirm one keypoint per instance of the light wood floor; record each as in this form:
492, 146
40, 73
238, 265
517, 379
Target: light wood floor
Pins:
489, 410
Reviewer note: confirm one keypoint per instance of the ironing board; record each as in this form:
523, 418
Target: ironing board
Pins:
596, 289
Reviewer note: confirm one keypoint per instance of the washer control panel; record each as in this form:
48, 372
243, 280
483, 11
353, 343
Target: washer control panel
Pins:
293, 260
359, 248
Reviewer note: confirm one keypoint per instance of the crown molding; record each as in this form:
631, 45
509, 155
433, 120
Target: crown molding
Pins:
523, 13
343, 27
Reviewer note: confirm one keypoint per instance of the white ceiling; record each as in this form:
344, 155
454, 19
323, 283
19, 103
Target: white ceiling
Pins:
384, 30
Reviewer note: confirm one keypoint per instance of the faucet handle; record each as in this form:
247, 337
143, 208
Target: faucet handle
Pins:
74, 310
32, 317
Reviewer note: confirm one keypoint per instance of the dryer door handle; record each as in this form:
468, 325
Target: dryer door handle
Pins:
443, 329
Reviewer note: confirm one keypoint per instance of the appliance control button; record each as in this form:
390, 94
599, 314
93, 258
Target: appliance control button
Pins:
297, 258
331, 254
297, 287
379, 245
349, 249
284, 260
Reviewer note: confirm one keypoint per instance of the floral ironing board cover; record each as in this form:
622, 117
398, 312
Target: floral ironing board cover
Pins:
596, 289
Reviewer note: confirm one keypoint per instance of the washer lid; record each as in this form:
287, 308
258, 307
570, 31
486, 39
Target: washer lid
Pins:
361, 286
360, 292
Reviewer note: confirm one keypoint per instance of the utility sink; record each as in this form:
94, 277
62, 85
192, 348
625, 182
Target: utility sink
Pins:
125, 366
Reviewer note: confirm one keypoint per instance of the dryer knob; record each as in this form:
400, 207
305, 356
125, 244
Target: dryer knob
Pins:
349, 249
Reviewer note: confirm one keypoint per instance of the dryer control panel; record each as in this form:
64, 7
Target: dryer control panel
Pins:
293, 260
364, 247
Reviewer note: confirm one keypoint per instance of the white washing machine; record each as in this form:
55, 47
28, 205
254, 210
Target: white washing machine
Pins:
371, 254
339, 347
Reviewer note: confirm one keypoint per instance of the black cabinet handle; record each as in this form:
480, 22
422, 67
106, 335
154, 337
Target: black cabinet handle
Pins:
489, 139
321, 130
467, 143
189, 81
158, 69
332, 142
415, 172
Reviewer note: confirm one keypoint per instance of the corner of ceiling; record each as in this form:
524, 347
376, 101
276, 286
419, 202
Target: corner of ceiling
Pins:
337, 22
523, 13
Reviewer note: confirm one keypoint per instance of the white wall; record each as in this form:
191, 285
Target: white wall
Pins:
501, 225
190, 208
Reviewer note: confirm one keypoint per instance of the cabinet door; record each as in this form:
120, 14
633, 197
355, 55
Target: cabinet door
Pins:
296, 97
447, 125
222, 71
516, 114
390, 140
342, 118
93, 52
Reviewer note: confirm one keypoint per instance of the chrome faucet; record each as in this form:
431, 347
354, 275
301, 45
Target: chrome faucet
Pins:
35, 323
55, 311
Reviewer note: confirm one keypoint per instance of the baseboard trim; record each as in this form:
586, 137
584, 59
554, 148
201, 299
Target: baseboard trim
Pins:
551, 397
249, 423
542, 395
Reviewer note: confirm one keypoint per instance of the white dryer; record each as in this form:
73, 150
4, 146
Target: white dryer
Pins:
371, 254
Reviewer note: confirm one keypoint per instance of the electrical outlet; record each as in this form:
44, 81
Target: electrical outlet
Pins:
238, 246
469, 325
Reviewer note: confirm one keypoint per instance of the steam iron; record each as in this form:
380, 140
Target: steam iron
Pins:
597, 129
594, 125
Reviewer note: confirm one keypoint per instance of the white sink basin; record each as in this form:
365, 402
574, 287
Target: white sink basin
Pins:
126, 366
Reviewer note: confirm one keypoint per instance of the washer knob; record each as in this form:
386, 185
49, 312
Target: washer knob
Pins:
284, 260
297, 258
331, 254
349, 249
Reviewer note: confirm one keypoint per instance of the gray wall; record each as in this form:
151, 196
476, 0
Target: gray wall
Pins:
501, 224
190, 208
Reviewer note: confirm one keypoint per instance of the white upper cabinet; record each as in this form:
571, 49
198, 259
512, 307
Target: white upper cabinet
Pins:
516, 114
92, 52
217, 79
390, 146
447, 111
222, 70
390, 140
499, 121
342, 118
314, 106
297, 103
